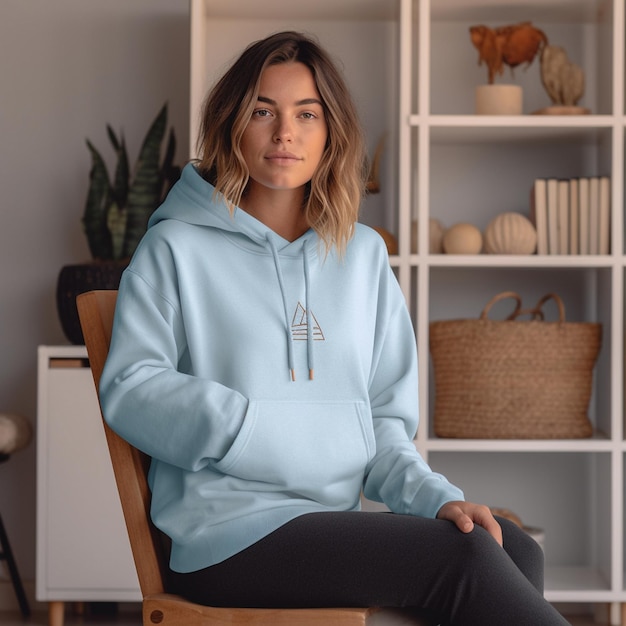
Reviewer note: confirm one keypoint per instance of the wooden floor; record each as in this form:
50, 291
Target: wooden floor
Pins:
134, 619
71, 619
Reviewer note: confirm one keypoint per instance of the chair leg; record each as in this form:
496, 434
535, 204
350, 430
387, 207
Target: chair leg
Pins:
7, 555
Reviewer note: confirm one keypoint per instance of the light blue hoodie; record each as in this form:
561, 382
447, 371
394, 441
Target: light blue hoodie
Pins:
214, 313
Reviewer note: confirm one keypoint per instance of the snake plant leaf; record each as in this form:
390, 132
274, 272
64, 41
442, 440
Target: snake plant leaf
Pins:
116, 223
119, 191
113, 138
144, 192
96, 207
117, 212
169, 172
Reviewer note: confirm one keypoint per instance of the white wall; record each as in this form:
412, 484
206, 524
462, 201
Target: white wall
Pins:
67, 67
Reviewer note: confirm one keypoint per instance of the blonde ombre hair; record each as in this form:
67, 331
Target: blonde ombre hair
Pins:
334, 194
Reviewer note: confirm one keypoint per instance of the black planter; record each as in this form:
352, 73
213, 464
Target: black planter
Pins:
76, 279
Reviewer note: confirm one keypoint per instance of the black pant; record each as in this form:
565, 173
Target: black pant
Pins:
382, 559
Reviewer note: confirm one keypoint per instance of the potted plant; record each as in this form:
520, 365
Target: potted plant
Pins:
116, 215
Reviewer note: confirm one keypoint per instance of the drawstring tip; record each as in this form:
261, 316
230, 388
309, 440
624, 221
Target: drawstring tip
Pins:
310, 374
293, 375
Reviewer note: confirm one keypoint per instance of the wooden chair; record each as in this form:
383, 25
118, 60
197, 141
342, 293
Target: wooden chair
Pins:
96, 309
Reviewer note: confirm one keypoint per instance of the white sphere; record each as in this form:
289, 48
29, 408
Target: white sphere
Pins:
15, 433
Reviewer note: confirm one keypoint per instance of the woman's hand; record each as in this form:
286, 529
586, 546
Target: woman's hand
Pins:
466, 514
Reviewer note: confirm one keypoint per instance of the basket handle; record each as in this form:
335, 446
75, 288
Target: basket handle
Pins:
559, 303
502, 296
537, 312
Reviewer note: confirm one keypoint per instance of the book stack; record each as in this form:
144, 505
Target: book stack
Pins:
572, 216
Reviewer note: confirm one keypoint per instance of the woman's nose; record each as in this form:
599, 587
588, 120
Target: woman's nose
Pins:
283, 131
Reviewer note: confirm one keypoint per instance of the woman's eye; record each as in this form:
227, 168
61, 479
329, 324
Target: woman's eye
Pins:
261, 113
307, 115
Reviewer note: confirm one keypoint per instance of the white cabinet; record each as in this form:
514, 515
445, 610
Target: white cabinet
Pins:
83, 552
413, 70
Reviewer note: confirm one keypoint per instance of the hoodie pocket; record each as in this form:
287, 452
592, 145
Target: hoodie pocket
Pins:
315, 449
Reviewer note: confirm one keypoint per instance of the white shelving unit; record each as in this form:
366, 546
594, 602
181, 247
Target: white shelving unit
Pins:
83, 552
413, 70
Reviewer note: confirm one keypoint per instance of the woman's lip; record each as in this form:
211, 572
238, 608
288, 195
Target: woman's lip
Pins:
288, 156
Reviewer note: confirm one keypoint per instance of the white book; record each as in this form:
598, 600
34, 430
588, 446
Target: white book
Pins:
583, 210
563, 218
573, 216
539, 214
604, 215
594, 214
552, 185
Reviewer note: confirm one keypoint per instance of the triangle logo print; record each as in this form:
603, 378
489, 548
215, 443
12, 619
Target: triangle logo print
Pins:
299, 325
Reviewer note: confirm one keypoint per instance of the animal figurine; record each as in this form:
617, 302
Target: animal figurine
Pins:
506, 45
563, 80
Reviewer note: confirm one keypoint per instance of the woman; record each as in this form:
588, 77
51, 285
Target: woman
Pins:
263, 356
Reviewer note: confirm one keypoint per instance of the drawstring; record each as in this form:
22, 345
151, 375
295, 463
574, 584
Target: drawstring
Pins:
309, 331
309, 325
281, 284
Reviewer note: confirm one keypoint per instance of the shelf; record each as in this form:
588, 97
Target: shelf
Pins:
583, 28
320, 9
598, 443
528, 128
531, 261
538, 10
577, 584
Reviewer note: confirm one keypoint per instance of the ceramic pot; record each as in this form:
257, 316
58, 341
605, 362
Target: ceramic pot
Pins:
76, 279
498, 100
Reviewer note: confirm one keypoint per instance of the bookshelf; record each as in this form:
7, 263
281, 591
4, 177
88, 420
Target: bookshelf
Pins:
413, 70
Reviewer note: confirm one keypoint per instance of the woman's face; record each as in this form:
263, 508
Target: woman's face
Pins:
285, 138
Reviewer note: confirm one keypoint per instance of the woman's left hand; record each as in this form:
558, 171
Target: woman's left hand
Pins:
466, 514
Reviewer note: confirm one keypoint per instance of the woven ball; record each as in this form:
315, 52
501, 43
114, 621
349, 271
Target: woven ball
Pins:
510, 233
15, 433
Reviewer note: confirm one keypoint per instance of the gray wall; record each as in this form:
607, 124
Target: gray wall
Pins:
67, 67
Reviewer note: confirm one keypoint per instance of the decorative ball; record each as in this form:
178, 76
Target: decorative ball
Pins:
462, 239
510, 233
435, 236
15, 433
390, 241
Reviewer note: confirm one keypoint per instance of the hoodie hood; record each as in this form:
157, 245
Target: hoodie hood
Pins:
193, 200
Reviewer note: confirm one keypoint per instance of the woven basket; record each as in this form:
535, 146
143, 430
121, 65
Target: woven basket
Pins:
514, 379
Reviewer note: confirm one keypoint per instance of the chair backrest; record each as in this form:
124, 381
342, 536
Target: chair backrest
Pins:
130, 466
